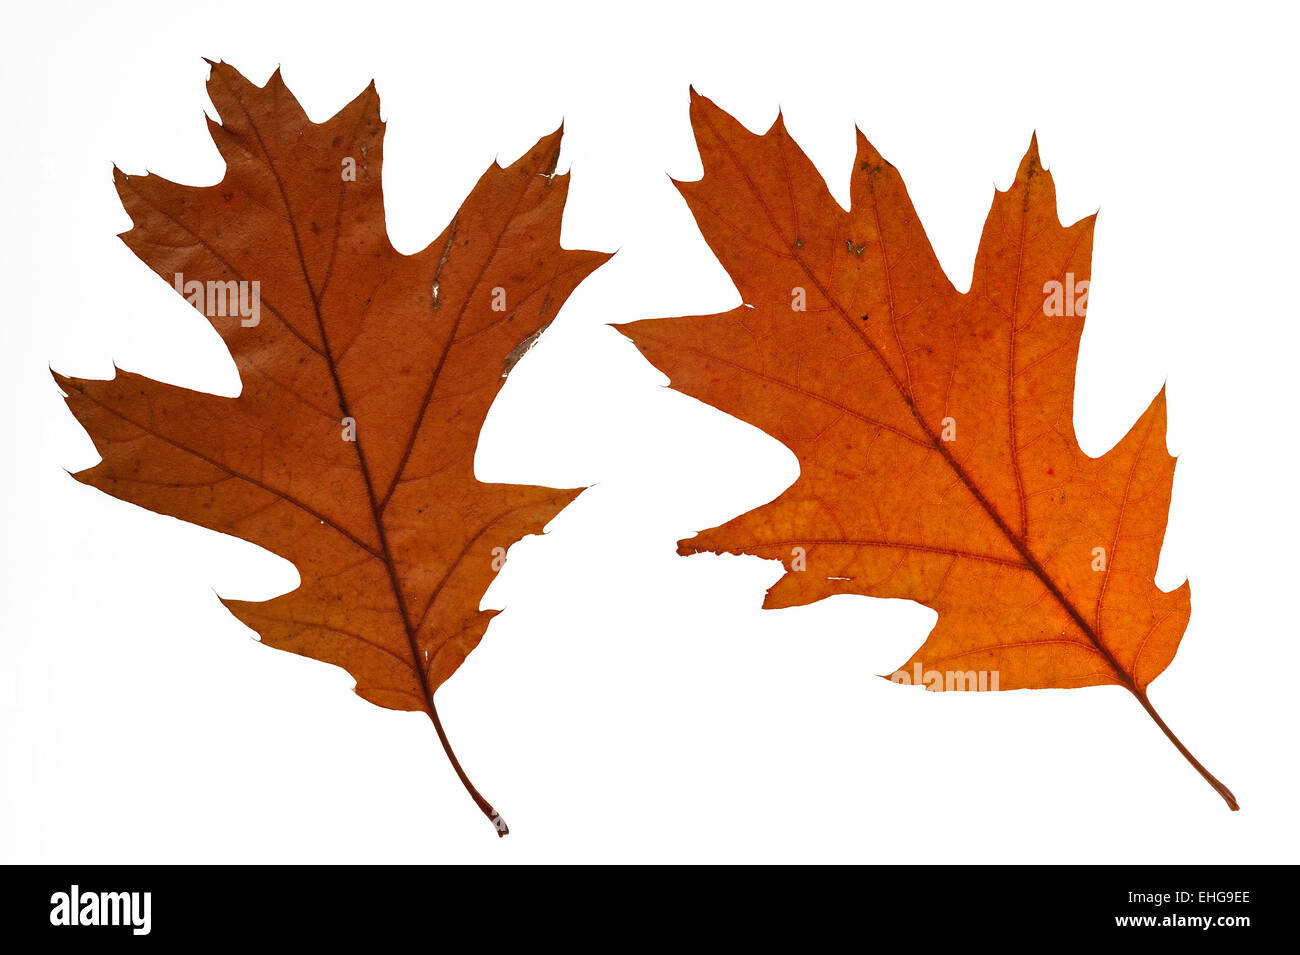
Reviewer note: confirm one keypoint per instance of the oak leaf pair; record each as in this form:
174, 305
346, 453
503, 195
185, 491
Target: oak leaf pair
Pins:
367, 374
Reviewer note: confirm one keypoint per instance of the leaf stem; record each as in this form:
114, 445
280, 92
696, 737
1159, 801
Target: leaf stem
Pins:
493, 816
1209, 777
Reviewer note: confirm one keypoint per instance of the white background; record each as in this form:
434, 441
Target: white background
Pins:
631, 705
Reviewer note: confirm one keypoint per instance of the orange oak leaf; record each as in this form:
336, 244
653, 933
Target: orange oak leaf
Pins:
934, 429
366, 377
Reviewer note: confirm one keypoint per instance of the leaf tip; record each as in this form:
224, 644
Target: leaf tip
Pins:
1032, 164
1160, 406
63, 381
778, 124
626, 329
1033, 181
544, 157
868, 155
699, 102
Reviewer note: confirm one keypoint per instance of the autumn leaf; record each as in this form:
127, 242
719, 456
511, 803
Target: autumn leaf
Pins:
366, 376
934, 429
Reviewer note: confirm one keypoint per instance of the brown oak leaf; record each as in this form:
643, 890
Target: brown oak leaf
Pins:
366, 377
934, 429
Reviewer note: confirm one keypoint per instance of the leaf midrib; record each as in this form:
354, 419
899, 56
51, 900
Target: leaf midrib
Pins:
376, 508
